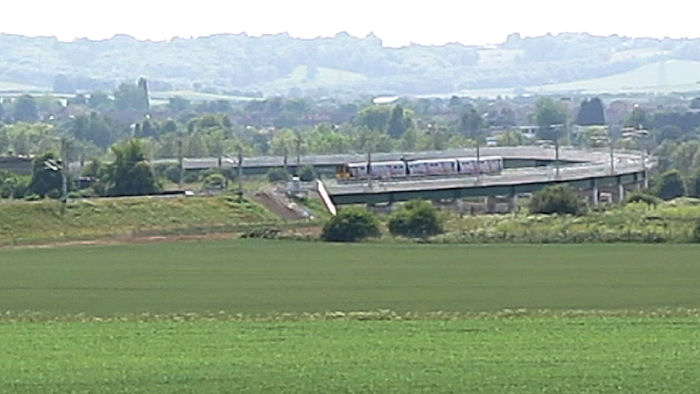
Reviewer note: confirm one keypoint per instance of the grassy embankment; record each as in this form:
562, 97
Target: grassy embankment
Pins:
639, 332
48, 221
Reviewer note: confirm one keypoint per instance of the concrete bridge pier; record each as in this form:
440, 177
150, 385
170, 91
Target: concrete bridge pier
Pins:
595, 193
490, 204
619, 194
513, 203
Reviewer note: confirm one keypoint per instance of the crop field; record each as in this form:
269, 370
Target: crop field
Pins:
574, 355
259, 277
254, 315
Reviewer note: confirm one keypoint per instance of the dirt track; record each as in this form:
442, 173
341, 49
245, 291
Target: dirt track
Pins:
280, 205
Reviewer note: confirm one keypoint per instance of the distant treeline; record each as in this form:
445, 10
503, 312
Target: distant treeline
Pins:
279, 64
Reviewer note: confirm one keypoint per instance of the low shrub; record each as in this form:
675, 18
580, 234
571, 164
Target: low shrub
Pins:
560, 199
307, 173
350, 225
415, 219
278, 175
214, 181
642, 197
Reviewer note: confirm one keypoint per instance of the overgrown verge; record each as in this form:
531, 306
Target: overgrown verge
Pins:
50, 221
674, 221
369, 315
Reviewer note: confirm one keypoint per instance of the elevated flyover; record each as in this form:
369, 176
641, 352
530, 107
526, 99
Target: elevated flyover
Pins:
589, 171
527, 169
327, 164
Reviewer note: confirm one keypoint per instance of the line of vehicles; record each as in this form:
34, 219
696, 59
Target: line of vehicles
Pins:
421, 168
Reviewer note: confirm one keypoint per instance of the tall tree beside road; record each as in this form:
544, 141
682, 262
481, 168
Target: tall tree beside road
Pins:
591, 113
549, 115
397, 122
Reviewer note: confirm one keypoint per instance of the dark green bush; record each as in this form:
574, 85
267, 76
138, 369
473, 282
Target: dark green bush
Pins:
214, 181
307, 173
696, 233
278, 175
415, 219
172, 173
191, 177
643, 197
557, 199
670, 185
350, 225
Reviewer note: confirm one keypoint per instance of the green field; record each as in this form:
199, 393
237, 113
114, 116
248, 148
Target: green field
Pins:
210, 316
259, 277
572, 355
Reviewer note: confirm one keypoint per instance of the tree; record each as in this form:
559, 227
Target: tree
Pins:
471, 124
131, 97
98, 99
670, 185
591, 113
46, 175
170, 126
694, 184
638, 118
375, 117
143, 86
350, 225
415, 219
130, 174
549, 115
25, 109
397, 122
560, 199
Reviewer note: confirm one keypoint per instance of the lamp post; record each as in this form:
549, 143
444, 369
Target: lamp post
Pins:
639, 135
555, 132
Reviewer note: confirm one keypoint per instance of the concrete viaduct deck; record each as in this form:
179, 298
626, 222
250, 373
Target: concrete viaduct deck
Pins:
591, 174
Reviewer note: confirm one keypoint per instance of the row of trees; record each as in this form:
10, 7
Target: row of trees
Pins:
129, 174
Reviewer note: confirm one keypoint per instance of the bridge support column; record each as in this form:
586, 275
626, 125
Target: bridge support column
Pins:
620, 190
513, 203
490, 204
595, 193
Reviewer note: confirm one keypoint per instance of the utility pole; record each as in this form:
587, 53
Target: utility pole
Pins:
612, 150
298, 142
556, 154
369, 167
369, 163
478, 158
64, 170
240, 172
180, 162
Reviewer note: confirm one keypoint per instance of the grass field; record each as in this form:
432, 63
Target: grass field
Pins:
259, 277
165, 317
573, 355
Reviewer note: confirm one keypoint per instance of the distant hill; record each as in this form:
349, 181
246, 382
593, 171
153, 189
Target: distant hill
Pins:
240, 65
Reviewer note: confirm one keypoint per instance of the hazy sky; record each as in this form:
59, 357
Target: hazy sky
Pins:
395, 22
